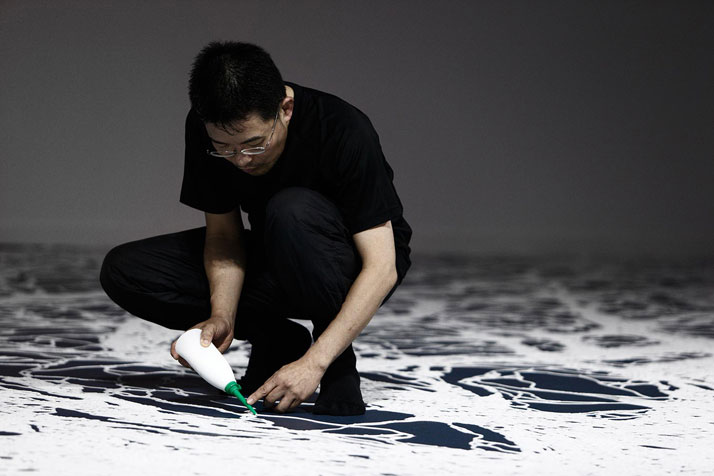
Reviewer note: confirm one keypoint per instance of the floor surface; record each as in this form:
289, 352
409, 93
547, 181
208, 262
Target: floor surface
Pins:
492, 365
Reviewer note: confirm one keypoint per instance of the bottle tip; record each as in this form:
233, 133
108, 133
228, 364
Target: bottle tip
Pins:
233, 388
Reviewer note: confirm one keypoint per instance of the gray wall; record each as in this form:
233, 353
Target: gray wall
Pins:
512, 126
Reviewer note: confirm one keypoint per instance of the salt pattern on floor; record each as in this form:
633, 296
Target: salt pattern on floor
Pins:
493, 365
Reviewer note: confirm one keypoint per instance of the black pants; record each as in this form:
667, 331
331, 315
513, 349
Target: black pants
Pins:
301, 267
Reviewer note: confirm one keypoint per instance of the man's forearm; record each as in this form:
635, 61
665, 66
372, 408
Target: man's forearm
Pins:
224, 261
362, 302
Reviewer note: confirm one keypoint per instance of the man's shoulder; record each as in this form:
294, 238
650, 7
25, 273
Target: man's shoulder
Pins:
326, 103
313, 94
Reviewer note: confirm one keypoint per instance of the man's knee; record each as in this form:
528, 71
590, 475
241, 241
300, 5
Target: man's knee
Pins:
114, 268
310, 250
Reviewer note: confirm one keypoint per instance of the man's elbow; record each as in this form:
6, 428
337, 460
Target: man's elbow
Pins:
392, 276
388, 275
383, 273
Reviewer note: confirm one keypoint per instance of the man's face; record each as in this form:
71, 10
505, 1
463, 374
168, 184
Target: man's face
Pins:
252, 132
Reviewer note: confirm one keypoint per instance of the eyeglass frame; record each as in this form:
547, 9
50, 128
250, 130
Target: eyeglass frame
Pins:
250, 151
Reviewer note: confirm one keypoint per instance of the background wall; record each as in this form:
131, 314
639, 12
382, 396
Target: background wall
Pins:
512, 125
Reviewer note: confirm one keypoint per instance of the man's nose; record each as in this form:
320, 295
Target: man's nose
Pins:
243, 160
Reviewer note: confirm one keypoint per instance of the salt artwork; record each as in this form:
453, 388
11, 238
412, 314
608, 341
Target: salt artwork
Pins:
493, 365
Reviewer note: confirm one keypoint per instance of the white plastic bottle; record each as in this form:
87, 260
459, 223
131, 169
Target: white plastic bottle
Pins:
209, 363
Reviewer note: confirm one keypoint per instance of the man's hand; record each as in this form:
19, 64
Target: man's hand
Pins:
292, 385
218, 330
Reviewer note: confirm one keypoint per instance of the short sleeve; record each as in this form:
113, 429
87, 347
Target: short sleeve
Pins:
365, 193
208, 182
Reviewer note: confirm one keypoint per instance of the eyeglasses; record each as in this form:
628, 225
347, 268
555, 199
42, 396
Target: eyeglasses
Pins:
227, 154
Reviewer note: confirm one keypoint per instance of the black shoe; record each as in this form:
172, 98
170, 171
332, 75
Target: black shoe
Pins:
284, 343
340, 396
340, 392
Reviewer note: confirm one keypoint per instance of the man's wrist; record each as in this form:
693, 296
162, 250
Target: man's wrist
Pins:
317, 359
224, 316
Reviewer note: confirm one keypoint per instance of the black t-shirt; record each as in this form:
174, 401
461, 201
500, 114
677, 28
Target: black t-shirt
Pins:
331, 148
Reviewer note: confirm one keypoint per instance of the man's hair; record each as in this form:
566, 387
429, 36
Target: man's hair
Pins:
231, 80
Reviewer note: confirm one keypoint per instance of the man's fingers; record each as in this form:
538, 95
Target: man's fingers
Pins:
207, 335
226, 344
257, 395
276, 394
286, 403
184, 363
262, 391
175, 355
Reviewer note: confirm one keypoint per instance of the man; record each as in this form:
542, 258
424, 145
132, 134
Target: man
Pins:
327, 240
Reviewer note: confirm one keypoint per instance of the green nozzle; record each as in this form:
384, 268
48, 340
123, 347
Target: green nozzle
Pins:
234, 389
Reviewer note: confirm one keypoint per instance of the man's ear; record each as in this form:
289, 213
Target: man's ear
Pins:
287, 106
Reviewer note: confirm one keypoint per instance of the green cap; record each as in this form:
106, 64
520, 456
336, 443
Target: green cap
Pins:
234, 389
